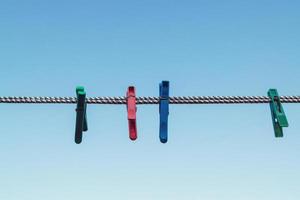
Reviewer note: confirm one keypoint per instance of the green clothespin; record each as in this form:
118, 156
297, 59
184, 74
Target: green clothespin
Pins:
81, 120
80, 90
278, 115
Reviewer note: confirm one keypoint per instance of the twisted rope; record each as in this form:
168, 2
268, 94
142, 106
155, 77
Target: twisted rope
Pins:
152, 100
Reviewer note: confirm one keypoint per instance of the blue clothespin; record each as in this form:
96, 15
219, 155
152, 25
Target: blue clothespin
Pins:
163, 111
278, 116
81, 119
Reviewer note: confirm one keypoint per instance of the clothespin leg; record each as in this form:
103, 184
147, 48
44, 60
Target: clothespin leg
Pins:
277, 129
85, 124
132, 130
163, 130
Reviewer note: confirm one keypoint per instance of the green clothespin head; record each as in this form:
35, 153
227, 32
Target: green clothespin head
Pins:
278, 115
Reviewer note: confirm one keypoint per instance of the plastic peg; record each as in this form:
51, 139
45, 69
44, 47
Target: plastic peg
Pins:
278, 116
131, 112
81, 119
163, 110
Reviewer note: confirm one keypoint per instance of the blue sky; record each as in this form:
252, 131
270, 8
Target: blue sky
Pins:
202, 47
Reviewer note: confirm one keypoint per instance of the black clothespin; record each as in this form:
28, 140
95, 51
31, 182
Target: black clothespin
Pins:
81, 119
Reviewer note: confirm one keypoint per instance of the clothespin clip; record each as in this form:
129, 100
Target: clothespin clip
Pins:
278, 116
81, 119
131, 112
163, 110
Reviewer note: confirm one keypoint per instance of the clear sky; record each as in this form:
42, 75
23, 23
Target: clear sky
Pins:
207, 47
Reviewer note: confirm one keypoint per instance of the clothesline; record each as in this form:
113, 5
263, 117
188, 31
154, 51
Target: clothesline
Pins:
152, 100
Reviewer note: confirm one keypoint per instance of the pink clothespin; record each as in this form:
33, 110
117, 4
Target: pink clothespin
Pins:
131, 112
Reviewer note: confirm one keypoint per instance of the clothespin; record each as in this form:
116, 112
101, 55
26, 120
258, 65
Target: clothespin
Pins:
163, 110
81, 119
131, 112
278, 116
